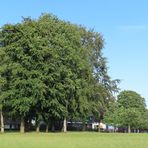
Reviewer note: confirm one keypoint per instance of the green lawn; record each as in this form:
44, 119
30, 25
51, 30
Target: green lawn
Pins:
73, 140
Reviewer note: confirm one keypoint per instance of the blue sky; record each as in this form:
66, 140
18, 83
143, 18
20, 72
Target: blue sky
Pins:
123, 23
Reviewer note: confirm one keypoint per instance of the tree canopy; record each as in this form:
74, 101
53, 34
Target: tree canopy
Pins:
54, 69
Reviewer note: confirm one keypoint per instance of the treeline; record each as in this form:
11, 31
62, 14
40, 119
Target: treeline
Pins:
52, 70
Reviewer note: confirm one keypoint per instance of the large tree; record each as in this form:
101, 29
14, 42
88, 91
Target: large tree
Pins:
54, 69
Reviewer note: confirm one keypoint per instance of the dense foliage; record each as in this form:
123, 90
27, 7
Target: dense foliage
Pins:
52, 70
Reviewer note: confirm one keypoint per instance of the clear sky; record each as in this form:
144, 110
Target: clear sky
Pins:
123, 23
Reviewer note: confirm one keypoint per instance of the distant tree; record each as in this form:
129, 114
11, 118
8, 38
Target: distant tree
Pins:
128, 111
133, 106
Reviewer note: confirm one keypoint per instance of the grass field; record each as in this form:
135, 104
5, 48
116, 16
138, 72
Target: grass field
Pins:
73, 140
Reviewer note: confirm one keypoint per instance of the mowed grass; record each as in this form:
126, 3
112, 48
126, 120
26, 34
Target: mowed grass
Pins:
73, 140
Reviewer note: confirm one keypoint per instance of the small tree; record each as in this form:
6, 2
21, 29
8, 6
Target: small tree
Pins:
131, 107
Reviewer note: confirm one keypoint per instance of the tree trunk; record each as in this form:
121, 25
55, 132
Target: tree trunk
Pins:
52, 126
99, 127
2, 122
22, 125
38, 128
129, 129
114, 129
84, 127
64, 125
47, 127
29, 124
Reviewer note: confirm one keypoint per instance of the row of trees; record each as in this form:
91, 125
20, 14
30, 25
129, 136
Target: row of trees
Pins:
52, 70
128, 111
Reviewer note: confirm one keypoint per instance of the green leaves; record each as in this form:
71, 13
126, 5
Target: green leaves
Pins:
54, 69
131, 99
